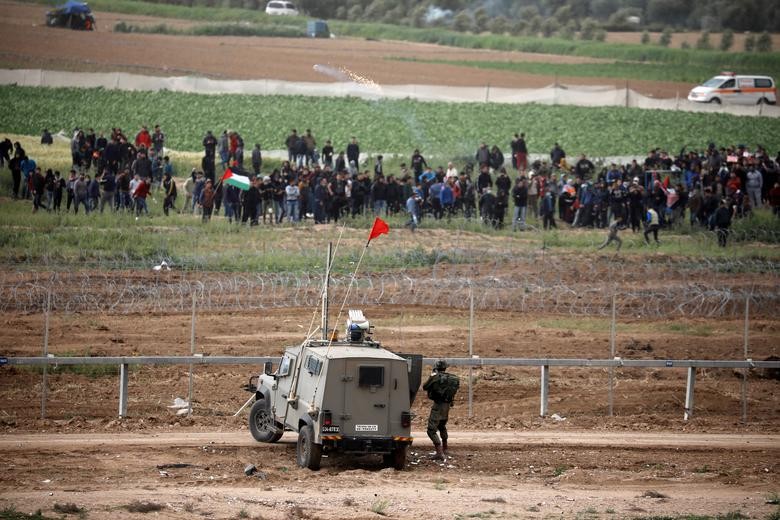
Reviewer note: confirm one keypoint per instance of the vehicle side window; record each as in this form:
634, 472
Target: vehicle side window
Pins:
728, 84
763, 83
313, 365
371, 376
284, 366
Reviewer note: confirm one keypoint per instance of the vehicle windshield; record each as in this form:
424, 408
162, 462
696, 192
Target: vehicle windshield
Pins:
714, 82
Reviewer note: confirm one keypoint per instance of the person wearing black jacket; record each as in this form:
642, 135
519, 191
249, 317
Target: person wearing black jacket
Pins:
5, 151
496, 158
487, 207
15, 165
251, 199
520, 198
169, 187
358, 195
108, 183
327, 154
38, 186
321, 201
722, 222
353, 152
59, 186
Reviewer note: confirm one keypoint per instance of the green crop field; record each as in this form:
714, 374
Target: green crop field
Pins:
387, 126
627, 70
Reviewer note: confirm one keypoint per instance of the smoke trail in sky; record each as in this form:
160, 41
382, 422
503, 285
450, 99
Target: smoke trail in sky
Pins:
345, 75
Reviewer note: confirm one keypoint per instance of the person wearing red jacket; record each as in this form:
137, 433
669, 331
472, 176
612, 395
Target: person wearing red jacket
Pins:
733, 184
143, 138
139, 195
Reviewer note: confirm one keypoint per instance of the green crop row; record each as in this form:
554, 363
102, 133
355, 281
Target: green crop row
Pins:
387, 126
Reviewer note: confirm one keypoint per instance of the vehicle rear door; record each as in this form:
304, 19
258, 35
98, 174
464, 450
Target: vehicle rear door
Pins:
366, 397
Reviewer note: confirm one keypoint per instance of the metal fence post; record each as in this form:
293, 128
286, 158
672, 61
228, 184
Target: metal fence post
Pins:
44, 376
545, 390
471, 351
123, 384
192, 353
689, 393
612, 356
745, 371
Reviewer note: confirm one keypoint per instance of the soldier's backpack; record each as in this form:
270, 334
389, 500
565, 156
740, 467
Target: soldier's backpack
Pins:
448, 386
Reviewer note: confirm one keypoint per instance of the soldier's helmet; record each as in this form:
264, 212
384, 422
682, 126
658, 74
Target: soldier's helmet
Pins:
440, 365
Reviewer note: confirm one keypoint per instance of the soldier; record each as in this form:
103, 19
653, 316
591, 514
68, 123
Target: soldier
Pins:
441, 388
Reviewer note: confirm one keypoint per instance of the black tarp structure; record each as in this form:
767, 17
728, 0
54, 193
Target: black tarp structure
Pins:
71, 14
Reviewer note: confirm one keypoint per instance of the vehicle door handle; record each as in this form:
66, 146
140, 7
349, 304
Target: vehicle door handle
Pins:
737, 91
284, 396
379, 405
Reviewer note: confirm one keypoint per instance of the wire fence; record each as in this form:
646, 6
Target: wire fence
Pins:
656, 290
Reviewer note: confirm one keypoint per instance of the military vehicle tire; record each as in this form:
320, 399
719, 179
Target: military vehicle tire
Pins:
308, 452
399, 457
262, 424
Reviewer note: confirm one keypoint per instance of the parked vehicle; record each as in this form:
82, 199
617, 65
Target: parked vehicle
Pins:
281, 8
728, 87
340, 396
317, 29
74, 15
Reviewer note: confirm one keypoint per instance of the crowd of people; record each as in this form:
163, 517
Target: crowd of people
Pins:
323, 185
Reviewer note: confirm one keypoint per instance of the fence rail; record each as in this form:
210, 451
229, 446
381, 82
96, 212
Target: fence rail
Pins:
544, 363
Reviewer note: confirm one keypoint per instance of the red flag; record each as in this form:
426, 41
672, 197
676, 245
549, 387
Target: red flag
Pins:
228, 173
380, 227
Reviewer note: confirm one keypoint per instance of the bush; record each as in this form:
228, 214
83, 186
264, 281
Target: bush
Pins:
645, 38
462, 22
499, 25
588, 29
764, 42
666, 38
685, 45
703, 43
549, 27
726, 40
519, 28
750, 43
568, 31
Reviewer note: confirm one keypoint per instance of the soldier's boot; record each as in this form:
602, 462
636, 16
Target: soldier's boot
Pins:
439, 454
444, 447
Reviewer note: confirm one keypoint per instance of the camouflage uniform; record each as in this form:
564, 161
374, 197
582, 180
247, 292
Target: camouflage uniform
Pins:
440, 411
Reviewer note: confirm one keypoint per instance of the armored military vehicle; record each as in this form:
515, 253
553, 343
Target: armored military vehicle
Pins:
346, 395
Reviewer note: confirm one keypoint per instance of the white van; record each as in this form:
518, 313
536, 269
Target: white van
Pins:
282, 8
731, 88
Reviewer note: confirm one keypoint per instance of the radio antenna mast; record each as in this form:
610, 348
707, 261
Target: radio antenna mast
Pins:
328, 262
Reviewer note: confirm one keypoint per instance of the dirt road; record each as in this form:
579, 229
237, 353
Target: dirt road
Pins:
489, 475
468, 438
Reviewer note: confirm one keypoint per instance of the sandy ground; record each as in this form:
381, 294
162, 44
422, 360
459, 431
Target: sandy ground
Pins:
27, 43
506, 462
489, 475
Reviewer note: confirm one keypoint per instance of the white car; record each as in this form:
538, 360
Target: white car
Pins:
280, 7
731, 88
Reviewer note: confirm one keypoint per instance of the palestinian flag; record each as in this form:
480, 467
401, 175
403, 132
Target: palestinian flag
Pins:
239, 181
